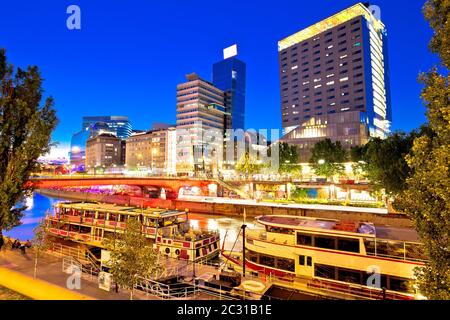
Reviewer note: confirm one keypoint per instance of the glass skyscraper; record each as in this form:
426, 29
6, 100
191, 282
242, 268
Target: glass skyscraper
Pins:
119, 124
229, 75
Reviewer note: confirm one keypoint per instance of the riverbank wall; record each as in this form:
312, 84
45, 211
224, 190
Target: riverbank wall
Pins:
236, 210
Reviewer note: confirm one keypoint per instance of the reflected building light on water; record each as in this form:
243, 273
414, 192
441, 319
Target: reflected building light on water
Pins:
213, 224
29, 202
194, 224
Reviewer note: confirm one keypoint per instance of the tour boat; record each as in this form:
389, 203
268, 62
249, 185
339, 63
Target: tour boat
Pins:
90, 223
335, 258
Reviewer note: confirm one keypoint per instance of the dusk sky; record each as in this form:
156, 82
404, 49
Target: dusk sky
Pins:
129, 55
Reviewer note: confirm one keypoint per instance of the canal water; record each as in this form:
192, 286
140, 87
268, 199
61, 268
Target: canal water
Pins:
229, 227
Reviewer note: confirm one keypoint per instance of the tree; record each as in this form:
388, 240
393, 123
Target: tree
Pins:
248, 165
288, 159
298, 194
382, 161
327, 158
39, 242
131, 257
25, 130
426, 197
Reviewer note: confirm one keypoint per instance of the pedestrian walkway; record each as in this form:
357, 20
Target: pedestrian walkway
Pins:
50, 275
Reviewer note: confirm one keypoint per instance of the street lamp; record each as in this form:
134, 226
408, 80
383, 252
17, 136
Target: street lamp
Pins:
321, 161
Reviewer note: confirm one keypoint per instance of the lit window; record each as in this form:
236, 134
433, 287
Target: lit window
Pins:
330, 75
317, 80
318, 86
343, 57
330, 83
294, 67
343, 79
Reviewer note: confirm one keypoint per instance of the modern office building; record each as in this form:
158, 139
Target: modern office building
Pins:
153, 151
229, 75
103, 151
90, 128
335, 80
200, 125
77, 153
119, 124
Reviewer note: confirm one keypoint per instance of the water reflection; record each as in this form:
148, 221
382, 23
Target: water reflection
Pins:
37, 205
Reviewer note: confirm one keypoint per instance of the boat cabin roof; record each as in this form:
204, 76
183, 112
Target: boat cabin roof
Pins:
118, 209
338, 226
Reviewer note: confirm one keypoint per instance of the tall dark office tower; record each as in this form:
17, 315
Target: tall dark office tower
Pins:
229, 76
335, 80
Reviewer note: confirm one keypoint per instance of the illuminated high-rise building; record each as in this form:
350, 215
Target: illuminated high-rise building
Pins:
200, 125
229, 75
335, 80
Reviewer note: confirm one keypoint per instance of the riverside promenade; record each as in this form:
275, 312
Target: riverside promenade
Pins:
16, 273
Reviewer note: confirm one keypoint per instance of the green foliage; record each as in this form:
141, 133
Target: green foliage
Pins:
288, 159
25, 131
40, 242
131, 256
383, 162
299, 194
327, 158
426, 198
248, 165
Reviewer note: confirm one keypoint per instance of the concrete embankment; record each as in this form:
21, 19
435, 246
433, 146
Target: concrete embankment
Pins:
232, 209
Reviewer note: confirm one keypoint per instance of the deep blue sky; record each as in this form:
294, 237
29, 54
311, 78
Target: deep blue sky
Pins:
129, 55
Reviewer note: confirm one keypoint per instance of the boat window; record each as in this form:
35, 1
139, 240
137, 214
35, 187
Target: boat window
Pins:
415, 251
368, 280
113, 217
252, 256
399, 284
304, 240
370, 246
109, 235
302, 260
325, 242
351, 276
396, 249
323, 271
285, 264
101, 215
350, 245
381, 248
267, 260
279, 230
85, 230
309, 261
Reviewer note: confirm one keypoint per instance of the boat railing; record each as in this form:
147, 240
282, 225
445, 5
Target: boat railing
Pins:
351, 291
